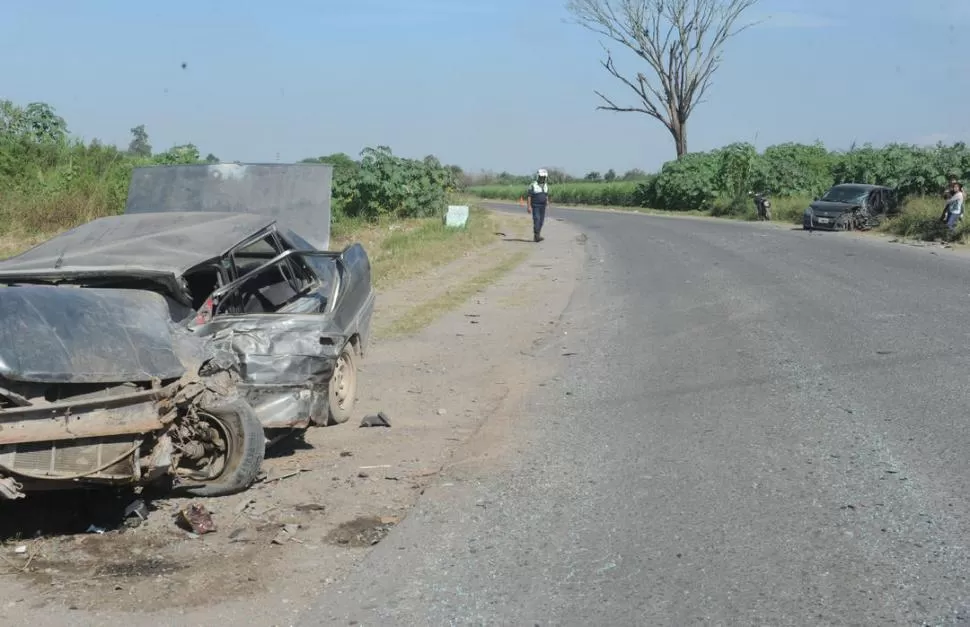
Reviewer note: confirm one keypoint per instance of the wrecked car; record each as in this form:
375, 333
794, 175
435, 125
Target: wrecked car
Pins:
850, 206
173, 346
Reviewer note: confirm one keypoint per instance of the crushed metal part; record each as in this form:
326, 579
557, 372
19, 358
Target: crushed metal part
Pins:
10, 489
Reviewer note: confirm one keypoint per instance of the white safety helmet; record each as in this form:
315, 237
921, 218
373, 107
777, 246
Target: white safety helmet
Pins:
542, 172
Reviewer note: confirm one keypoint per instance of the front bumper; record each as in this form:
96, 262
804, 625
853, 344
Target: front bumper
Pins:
824, 223
65, 444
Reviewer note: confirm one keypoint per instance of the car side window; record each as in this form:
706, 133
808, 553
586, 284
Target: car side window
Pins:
296, 265
249, 257
269, 289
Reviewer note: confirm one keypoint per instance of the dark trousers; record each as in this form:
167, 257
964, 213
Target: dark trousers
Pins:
538, 217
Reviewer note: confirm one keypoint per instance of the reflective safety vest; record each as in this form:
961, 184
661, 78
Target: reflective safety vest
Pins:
539, 194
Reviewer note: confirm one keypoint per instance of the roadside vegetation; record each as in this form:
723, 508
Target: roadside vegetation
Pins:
50, 182
716, 183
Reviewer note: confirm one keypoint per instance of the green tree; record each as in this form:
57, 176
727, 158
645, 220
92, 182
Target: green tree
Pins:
139, 145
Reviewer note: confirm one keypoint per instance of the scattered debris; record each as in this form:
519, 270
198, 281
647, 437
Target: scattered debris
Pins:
286, 533
243, 506
243, 534
442, 411
287, 475
136, 513
379, 419
361, 532
20, 550
197, 519
240, 509
310, 507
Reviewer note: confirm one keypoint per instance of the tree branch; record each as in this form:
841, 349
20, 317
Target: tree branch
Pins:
680, 41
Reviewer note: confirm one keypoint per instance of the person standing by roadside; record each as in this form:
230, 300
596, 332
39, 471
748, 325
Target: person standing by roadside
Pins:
954, 205
536, 201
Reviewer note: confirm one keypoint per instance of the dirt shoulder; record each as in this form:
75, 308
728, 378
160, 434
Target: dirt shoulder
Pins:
330, 496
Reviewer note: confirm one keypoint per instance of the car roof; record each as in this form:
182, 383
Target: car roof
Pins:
170, 243
861, 186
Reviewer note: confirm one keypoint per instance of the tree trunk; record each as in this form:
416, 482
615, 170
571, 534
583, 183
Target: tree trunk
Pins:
678, 131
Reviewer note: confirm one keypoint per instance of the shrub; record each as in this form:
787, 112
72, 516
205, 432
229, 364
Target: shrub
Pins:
49, 182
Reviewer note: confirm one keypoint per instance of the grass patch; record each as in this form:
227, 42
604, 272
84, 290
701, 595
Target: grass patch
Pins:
402, 249
617, 193
427, 312
598, 207
920, 220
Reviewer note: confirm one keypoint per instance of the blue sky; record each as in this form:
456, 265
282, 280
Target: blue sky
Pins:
486, 84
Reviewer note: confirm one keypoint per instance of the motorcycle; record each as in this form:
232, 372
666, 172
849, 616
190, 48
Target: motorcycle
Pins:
763, 205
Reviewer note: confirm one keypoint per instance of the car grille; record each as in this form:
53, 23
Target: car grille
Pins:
67, 459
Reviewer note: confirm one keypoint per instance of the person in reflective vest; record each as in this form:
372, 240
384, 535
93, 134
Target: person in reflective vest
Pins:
536, 200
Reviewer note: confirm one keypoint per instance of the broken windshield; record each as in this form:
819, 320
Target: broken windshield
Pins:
846, 194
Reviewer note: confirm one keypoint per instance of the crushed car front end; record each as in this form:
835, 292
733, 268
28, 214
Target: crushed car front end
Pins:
99, 387
828, 216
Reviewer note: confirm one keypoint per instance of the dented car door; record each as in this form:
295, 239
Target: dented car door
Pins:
287, 320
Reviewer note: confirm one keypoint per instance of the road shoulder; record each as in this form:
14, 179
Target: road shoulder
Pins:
341, 489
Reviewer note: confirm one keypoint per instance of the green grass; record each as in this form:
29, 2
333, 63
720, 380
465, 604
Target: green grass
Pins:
617, 194
402, 249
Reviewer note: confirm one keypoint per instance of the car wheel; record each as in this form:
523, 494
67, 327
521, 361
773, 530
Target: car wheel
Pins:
228, 459
343, 386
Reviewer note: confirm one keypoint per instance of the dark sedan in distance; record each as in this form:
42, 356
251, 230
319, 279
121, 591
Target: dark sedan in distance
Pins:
850, 206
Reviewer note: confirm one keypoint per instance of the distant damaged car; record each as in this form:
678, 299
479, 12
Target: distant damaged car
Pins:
850, 206
173, 346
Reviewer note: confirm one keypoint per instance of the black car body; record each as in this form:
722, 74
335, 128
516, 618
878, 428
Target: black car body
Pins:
850, 206
133, 346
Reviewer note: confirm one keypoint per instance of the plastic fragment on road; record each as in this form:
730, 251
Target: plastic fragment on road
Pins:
378, 420
457, 216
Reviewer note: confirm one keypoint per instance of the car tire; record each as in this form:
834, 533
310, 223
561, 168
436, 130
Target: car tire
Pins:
244, 433
343, 386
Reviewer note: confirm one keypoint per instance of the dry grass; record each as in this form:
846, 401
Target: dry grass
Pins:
920, 220
425, 313
404, 249
14, 244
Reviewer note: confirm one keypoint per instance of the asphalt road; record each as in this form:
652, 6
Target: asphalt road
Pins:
758, 426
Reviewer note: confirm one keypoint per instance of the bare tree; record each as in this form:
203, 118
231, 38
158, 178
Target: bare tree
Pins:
680, 40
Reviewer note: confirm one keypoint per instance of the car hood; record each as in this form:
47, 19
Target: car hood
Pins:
81, 335
826, 207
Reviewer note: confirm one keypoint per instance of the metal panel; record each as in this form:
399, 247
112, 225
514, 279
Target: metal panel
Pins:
296, 195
